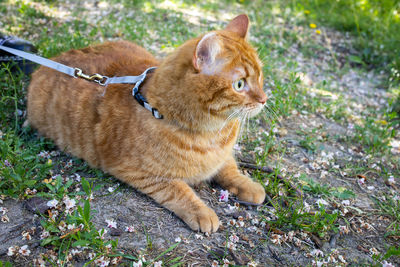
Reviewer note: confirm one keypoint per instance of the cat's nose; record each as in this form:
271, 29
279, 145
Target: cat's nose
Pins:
262, 99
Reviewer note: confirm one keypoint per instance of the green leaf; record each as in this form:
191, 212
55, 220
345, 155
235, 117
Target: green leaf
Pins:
49, 186
86, 211
80, 211
80, 243
343, 193
174, 260
16, 176
392, 251
30, 183
356, 59
126, 256
86, 186
166, 251
5, 264
52, 228
49, 240
68, 184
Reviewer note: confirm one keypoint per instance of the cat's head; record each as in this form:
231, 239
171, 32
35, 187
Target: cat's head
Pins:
213, 78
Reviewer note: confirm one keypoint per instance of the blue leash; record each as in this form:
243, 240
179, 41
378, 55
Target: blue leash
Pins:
97, 78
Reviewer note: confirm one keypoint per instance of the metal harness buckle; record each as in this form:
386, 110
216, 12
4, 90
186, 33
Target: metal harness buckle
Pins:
97, 78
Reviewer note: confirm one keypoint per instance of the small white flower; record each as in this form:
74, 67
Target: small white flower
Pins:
214, 263
276, 239
178, 239
197, 236
44, 155
102, 262
258, 150
130, 229
290, 235
69, 203
7, 164
52, 203
77, 177
365, 225
391, 180
234, 238
224, 196
141, 258
231, 246
26, 236
297, 241
24, 251
346, 202
69, 164
5, 219
111, 189
387, 264
158, 264
11, 251
341, 259
361, 181
321, 202
111, 223
71, 226
317, 253
373, 251
75, 251
318, 263
91, 255
3, 210
237, 147
343, 229
138, 264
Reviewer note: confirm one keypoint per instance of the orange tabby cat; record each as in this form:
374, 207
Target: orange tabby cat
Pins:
202, 90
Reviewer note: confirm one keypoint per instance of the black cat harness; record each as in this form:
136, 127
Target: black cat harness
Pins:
97, 78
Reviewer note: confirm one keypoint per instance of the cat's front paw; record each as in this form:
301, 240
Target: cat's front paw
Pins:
249, 191
203, 219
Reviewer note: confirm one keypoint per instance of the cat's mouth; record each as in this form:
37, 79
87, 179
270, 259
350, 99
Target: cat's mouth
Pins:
252, 110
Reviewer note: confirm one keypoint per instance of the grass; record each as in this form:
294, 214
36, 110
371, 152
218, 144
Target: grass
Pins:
367, 20
278, 28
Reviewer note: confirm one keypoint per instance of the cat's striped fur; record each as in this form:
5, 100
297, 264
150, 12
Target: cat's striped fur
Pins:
192, 88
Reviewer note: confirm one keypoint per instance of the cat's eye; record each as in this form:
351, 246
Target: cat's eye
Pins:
239, 85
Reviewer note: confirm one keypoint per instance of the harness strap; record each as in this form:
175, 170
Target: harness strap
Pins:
40, 60
100, 79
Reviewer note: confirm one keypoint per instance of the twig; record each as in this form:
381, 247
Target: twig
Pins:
270, 170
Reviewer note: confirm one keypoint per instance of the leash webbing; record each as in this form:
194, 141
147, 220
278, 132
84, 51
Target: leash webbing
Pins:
100, 79
40, 60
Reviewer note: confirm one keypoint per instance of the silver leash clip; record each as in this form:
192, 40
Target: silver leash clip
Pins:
97, 78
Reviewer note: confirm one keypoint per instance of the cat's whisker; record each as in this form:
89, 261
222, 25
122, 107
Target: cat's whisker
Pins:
248, 121
232, 115
240, 126
271, 111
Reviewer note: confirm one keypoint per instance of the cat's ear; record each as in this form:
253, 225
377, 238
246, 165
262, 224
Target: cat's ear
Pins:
206, 52
239, 25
